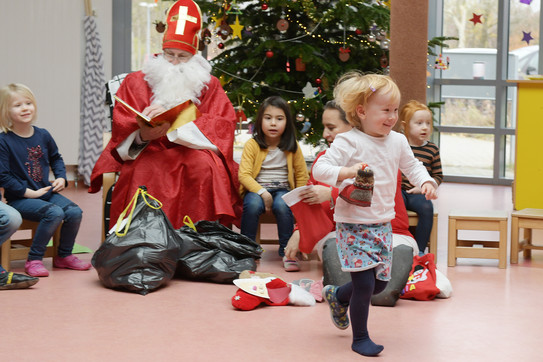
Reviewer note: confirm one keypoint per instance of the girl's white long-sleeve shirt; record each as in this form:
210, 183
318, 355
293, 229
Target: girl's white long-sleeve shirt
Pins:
384, 155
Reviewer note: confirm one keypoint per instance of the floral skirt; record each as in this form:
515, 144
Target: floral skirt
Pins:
362, 247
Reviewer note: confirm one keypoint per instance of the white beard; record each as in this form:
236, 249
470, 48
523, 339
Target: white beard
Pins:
173, 84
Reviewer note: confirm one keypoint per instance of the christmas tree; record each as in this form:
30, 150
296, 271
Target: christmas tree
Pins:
293, 48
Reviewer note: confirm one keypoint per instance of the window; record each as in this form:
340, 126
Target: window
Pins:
477, 119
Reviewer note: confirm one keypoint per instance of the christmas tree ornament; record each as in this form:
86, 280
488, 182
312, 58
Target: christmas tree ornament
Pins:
442, 63
385, 44
318, 81
269, 54
220, 45
282, 25
325, 84
288, 66
217, 20
160, 26
300, 117
344, 54
236, 29
240, 115
383, 61
233, 9
300, 65
306, 127
264, 6
358, 31
371, 38
224, 30
309, 91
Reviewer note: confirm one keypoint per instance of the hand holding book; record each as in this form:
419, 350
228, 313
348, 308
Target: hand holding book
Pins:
176, 116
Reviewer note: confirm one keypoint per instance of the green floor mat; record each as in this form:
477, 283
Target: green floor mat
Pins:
78, 249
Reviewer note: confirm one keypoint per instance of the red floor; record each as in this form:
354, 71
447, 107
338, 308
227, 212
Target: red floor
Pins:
493, 315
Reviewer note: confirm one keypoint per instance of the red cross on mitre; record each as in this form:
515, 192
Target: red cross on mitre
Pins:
183, 25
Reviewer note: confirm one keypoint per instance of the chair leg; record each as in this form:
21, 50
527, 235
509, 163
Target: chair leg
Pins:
514, 240
452, 243
4, 254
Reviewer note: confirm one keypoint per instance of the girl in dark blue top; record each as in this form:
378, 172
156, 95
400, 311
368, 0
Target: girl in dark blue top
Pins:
27, 155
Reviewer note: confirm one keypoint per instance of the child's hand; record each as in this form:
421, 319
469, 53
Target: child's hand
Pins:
35, 194
316, 194
350, 172
414, 190
429, 191
58, 184
268, 200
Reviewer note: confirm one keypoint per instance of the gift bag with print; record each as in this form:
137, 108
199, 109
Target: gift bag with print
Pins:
421, 284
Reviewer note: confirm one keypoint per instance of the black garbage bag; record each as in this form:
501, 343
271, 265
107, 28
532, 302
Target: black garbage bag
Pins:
142, 254
215, 253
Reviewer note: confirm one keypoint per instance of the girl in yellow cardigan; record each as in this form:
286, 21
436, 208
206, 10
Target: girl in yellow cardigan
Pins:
271, 165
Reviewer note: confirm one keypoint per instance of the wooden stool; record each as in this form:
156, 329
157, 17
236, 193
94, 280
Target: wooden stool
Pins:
526, 219
487, 220
266, 218
17, 247
413, 222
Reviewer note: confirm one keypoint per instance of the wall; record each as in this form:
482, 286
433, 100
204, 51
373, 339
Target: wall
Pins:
43, 47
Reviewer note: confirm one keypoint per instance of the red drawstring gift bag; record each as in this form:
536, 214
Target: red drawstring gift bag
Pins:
313, 222
421, 284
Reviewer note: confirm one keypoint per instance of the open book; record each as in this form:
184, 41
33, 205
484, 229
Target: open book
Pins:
177, 116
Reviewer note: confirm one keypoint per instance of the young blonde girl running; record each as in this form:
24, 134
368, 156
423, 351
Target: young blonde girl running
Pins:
271, 165
27, 153
364, 163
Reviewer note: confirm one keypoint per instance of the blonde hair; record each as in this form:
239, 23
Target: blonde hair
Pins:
5, 102
355, 88
407, 112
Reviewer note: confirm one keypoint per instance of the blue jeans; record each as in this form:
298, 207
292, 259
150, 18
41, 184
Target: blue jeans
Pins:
10, 220
253, 207
425, 210
50, 214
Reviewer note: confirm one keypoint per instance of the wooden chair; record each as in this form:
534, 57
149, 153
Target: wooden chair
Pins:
413, 222
18, 246
108, 179
266, 218
486, 220
527, 219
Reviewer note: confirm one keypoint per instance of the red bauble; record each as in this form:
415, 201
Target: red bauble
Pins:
269, 54
264, 6
318, 81
220, 45
358, 31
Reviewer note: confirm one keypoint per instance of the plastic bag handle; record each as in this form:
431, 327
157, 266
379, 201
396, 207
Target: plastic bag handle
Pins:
132, 206
187, 221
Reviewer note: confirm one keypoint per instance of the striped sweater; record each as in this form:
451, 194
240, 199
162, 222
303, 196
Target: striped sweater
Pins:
428, 154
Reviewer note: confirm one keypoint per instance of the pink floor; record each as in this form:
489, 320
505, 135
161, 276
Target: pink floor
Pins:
493, 315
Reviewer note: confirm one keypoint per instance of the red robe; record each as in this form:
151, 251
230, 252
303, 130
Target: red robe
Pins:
197, 183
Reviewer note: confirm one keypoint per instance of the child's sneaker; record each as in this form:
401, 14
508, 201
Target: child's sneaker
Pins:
35, 268
71, 262
338, 312
9, 280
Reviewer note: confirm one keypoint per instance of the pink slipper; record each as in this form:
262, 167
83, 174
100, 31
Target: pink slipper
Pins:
290, 265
